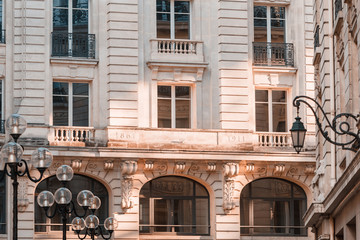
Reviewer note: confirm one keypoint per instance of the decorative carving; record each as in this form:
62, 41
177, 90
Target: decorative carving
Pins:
92, 166
126, 193
169, 187
309, 169
293, 171
211, 167
261, 170
180, 167
149, 166
23, 201
228, 192
194, 168
279, 169
56, 165
161, 167
108, 165
230, 169
323, 237
128, 167
76, 165
250, 167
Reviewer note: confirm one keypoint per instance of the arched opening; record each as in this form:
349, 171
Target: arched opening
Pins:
174, 205
77, 184
274, 207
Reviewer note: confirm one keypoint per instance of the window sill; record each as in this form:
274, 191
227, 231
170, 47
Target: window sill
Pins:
276, 69
74, 60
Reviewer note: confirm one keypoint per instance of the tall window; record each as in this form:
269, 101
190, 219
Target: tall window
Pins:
174, 205
173, 19
269, 24
271, 112
70, 104
2, 205
77, 184
174, 106
272, 207
2, 31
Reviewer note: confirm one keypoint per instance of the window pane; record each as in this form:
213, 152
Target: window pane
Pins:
182, 114
298, 192
262, 215
182, 7
281, 216
182, 26
81, 89
80, 3
80, 21
182, 92
163, 5
60, 3
279, 96
183, 215
144, 214
261, 96
200, 190
164, 113
262, 117
278, 31
260, 12
163, 25
60, 88
277, 12
271, 188
260, 24
202, 216
162, 214
80, 111
172, 186
279, 118
60, 111
164, 91
245, 214
60, 20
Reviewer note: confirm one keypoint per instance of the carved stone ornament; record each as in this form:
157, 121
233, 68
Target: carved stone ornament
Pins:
230, 170
309, 169
149, 166
324, 237
128, 167
76, 165
211, 167
126, 193
23, 201
250, 167
108, 165
180, 167
194, 168
279, 169
228, 192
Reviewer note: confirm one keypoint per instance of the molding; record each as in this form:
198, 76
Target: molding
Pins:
275, 69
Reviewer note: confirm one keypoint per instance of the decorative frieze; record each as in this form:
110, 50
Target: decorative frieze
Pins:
108, 165
128, 167
180, 167
76, 165
149, 166
211, 167
250, 167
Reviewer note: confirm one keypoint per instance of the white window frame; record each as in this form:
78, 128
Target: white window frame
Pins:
172, 18
70, 99
270, 109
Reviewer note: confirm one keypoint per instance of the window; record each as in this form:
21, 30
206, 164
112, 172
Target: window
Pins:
70, 29
77, 184
2, 205
70, 104
269, 24
2, 31
174, 205
174, 106
173, 19
271, 110
272, 206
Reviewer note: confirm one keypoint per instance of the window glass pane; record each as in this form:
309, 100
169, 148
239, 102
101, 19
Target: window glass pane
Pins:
298, 192
60, 3
162, 214
279, 118
60, 111
164, 113
80, 3
2, 205
81, 89
182, 7
182, 26
277, 12
182, 114
182, 92
80, 111
1, 11
163, 25
200, 190
60, 88
60, 20
279, 96
202, 216
260, 24
270, 188
281, 216
163, 5
262, 117
183, 215
245, 214
299, 210
260, 12
164, 91
172, 186
261, 96
262, 215
278, 31
144, 214
80, 21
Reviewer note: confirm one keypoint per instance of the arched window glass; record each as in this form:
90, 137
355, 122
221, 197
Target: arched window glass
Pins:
272, 207
2, 205
77, 184
174, 205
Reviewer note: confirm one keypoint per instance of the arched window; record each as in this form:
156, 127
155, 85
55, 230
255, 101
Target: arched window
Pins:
175, 205
77, 184
2, 205
272, 206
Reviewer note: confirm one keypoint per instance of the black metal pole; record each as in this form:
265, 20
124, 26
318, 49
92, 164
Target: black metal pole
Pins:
15, 199
64, 220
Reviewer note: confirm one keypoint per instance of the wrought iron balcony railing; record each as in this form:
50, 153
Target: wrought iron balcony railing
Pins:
273, 54
2, 36
73, 45
316, 37
338, 7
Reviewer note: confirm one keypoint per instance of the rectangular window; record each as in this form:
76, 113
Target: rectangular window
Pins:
269, 24
70, 104
173, 19
174, 106
271, 110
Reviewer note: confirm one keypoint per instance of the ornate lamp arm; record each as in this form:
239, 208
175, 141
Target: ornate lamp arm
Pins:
79, 236
102, 234
343, 128
27, 172
51, 215
73, 209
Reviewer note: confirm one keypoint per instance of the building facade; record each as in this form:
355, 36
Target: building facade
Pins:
335, 211
176, 113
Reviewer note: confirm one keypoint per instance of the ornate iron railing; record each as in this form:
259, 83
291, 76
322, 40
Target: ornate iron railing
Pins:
316, 37
338, 7
2, 36
273, 54
73, 45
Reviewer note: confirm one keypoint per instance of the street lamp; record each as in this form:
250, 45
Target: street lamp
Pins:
342, 128
13, 165
62, 198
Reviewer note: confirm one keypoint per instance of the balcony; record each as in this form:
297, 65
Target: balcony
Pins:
73, 45
273, 54
270, 139
72, 136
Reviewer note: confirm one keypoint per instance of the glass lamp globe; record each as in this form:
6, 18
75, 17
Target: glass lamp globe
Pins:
84, 198
41, 158
95, 203
110, 224
45, 199
11, 152
92, 221
63, 196
64, 173
78, 224
15, 125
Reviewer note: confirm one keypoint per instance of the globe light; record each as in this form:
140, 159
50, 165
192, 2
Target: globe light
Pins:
91, 221
78, 224
15, 125
63, 196
95, 203
11, 152
64, 173
45, 199
110, 224
41, 158
84, 197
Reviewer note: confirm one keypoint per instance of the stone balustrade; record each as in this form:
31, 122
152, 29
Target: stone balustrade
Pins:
72, 135
274, 139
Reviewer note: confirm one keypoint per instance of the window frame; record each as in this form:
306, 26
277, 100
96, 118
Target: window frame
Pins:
70, 102
172, 19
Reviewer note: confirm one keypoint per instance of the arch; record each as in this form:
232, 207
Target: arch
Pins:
274, 207
174, 204
77, 184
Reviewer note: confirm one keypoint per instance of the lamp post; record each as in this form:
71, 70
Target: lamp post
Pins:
62, 198
14, 166
340, 125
